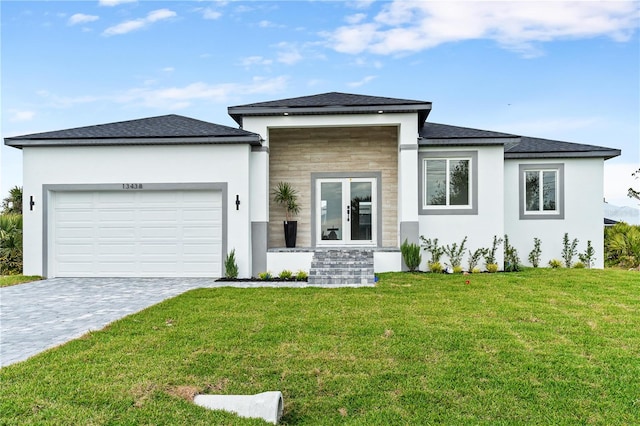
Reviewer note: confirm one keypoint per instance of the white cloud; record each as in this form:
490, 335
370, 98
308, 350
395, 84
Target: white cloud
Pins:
81, 18
16, 115
288, 54
136, 24
114, 2
362, 82
250, 61
168, 69
403, 26
355, 19
211, 14
175, 98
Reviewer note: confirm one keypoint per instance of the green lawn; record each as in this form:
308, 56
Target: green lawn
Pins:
8, 280
535, 347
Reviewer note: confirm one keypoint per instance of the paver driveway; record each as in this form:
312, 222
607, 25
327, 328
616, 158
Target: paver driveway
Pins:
40, 315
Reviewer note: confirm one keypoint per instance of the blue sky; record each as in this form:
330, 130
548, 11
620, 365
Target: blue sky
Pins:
559, 70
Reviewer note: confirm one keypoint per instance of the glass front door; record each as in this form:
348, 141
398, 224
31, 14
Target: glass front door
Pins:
346, 211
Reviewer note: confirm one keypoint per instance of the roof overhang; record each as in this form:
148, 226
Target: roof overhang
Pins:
605, 154
239, 112
253, 140
427, 142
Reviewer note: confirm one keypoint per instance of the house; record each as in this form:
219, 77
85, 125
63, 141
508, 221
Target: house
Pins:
171, 195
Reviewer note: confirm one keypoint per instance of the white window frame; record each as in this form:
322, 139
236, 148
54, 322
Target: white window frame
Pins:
472, 207
558, 213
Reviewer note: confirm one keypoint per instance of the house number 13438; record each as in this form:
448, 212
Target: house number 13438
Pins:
131, 186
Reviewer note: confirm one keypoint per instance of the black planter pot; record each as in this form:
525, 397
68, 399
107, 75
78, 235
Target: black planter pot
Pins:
290, 231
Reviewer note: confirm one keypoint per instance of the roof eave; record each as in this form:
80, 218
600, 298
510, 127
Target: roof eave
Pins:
489, 141
20, 143
605, 154
239, 112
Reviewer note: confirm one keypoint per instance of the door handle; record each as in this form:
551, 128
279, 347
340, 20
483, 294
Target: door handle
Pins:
348, 212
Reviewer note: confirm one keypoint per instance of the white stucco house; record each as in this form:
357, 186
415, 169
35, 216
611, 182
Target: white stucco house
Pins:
171, 195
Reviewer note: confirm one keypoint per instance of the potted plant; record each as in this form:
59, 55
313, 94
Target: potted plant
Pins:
286, 196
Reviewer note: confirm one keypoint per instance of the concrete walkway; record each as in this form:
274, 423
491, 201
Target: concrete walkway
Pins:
44, 314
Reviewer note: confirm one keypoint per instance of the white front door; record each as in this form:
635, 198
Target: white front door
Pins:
346, 211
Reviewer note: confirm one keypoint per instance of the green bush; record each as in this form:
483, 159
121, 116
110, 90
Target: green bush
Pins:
555, 263
492, 267
10, 244
511, 258
264, 275
285, 274
301, 275
568, 250
230, 265
411, 255
455, 253
435, 267
622, 245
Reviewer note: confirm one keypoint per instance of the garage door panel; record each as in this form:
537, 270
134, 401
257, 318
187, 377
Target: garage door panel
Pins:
137, 233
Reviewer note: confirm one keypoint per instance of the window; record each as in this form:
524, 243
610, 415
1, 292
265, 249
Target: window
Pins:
448, 183
541, 191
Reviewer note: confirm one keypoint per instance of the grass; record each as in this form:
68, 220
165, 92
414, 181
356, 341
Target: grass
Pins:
9, 280
535, 347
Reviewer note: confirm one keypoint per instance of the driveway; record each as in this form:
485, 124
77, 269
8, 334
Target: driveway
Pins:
44, 314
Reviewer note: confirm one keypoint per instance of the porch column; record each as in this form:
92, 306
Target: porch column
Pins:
259, 208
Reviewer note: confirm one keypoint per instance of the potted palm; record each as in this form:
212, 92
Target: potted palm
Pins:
285, 195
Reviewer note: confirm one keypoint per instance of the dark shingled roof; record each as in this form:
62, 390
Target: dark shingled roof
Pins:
444, 131
162, 129
515, 146
540, 148
331, 103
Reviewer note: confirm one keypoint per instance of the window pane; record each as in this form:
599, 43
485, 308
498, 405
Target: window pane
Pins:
549, 190
436, 182
361, 211
532, 191
331, 213
459, 182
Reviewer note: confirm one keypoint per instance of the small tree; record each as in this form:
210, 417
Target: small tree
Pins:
511, 258
632, 192
13, 203
588, 257
455, 253
474, 258
490, 256
568, 250
411, 255
534, 255
436, 253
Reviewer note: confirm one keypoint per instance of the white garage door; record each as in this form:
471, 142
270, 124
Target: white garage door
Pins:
136, 234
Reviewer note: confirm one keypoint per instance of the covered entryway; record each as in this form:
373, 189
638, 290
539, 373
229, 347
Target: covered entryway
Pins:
135, 232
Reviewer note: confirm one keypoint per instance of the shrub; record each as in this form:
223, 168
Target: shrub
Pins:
457, 269
264, 276
588, 257
490, 256
435, 250
622, 245
555, 263
230, 265
578, 265
492, 267
455, 252
411, 255
568, 249
286, 274
435, 267
511, 259
10, 244
301, 275
534, 255
474, 258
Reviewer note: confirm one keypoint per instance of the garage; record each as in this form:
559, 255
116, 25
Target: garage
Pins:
135, 231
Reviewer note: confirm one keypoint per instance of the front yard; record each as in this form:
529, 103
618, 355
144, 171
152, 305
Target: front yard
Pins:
535, 347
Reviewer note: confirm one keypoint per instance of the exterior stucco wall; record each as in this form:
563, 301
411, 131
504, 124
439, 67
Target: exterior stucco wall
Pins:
138, 164
478, 228
583, 211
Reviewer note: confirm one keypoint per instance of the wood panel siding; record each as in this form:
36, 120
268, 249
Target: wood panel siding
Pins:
295, 153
